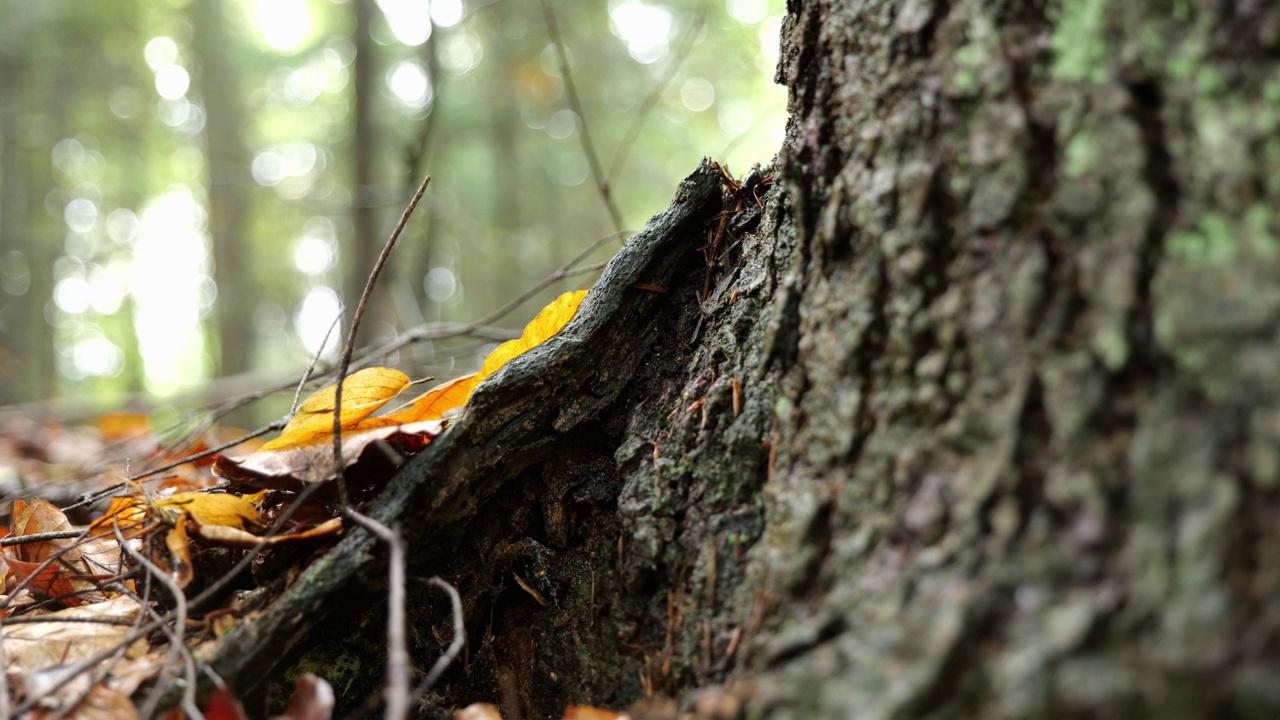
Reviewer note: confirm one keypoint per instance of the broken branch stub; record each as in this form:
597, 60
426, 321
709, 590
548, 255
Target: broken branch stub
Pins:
512, 421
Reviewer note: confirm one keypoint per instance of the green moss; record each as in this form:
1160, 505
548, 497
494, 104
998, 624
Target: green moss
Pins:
1080, 156
1257, 230
1079, 44
1213, 243
1111, 344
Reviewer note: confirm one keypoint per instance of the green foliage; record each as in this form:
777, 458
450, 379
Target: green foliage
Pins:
108, 212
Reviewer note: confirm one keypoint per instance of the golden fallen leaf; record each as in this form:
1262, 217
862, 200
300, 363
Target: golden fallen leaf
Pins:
206, 509
128, 512
439, 400
547, 323
363, 392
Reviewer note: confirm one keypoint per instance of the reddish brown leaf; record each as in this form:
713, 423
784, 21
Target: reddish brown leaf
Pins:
80, 562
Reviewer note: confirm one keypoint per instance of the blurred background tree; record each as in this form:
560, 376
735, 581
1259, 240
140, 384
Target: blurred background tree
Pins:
193, 188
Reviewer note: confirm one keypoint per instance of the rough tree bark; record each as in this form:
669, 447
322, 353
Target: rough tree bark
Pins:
1004, 436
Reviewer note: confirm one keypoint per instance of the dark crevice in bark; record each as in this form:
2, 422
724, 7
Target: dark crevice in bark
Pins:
1148, 103
1033, 457
807, 640
871, 348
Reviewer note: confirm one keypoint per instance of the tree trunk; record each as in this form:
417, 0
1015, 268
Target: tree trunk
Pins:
229, 182
365, 242
973, 414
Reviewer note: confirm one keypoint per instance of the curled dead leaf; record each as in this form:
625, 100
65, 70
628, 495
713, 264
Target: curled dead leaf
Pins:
79, 562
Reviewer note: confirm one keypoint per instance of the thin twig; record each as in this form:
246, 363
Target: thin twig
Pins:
90, 498
315, 358
459, 639
40, 537
571, 94
399, 666
177, 644
651, 100
480, 328
347, 349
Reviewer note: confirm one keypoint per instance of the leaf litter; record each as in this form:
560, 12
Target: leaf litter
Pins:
88, 614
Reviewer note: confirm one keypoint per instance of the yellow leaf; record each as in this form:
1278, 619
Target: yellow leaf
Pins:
119, 426
438, 400
363, 393
547, 323
213, 509
129, 512
179, 545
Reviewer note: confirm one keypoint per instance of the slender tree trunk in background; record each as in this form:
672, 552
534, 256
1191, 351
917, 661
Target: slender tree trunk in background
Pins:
228, 161
27, 369
365, 242
982, 422
507, 173
421, 250
15, 272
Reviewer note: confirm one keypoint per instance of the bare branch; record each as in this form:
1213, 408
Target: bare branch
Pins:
651, 100
459, 640
347, 349
399, 666
571, 94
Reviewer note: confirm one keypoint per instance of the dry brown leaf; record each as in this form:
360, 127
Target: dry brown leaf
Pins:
71, 576
101, 703
32, 647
